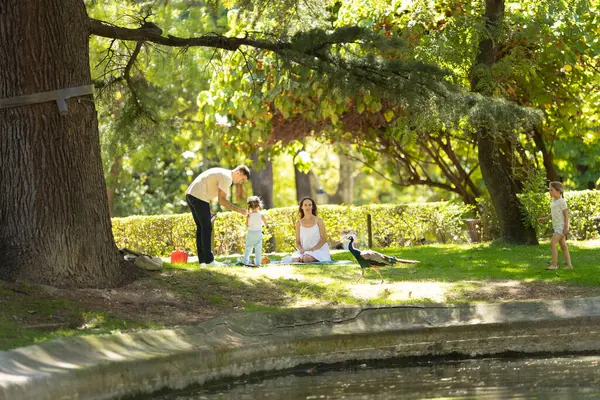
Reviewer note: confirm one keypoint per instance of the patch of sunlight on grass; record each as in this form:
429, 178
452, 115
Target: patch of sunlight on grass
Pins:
402, 291
513, 269
280, 272
588, 244
189, 266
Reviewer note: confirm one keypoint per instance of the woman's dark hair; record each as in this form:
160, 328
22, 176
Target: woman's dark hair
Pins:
314, 209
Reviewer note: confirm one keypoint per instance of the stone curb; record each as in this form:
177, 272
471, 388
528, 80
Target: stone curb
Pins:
116, 366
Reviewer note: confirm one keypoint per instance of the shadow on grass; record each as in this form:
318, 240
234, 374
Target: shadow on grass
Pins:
226, 289
176, 296
29, 315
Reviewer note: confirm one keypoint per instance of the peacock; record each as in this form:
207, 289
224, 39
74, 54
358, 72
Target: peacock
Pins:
372, 259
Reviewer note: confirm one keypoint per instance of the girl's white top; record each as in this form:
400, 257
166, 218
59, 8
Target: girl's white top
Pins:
255, 222
309, 237
556, 209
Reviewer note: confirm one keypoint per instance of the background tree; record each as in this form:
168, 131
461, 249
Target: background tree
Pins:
262, 179
498, 154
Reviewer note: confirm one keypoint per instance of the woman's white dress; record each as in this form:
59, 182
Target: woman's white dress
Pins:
309, 237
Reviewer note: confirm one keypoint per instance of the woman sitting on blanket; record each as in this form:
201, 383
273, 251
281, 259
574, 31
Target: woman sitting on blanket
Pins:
311, 236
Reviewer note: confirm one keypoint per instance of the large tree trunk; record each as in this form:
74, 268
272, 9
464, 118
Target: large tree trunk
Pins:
262, 181
499, 180
495, 165
538, 138
54, 222
345, 190
303, 186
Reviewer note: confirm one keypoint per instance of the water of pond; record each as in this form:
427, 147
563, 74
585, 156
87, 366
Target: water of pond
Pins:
569, 377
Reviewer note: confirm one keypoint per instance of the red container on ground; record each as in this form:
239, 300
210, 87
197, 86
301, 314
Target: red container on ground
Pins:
179, 257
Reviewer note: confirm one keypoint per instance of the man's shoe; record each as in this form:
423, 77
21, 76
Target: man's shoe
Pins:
216, 263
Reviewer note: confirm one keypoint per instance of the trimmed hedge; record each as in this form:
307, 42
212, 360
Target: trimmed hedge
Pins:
584, 206
392, 226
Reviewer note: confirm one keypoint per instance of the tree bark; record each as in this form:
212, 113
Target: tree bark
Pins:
54, 221
303, 187
499, 180
495, 165
262, 181
547, 156
345, 190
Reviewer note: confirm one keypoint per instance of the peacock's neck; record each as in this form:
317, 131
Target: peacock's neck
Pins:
352, 249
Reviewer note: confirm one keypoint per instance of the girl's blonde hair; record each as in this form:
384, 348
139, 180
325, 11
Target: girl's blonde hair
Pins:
558, 186
254, 202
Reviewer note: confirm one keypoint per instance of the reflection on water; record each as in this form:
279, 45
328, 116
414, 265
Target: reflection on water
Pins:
531, 378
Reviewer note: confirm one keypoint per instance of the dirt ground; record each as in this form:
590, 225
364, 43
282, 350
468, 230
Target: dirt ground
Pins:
176, 298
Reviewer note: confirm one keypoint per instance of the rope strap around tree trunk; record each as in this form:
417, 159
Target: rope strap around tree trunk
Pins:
56, 95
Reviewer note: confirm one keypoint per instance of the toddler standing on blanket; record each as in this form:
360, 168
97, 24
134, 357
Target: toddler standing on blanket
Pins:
254, 221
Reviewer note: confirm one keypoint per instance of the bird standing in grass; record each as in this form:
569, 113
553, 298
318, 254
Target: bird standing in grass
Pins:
372, 259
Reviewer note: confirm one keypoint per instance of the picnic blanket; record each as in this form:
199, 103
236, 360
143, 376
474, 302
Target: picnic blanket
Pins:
312, 263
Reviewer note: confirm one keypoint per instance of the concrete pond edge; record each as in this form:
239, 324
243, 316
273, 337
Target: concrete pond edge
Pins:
140, 363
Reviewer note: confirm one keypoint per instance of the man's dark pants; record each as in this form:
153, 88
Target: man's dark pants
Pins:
201, 213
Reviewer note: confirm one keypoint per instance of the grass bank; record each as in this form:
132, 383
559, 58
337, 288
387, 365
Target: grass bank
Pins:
188, 294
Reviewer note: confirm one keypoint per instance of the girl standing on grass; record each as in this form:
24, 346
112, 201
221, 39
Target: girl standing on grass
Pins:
254, 238
559, 213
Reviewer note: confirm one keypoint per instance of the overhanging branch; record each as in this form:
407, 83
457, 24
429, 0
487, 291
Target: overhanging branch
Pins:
311, 50
104, 29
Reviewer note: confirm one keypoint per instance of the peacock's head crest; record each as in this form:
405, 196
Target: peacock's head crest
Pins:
349, 235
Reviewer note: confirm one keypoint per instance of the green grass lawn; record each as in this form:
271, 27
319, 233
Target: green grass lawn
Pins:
450, 263
459, 262
188, 294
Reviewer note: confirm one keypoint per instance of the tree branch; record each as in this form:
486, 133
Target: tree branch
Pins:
390, 77
104, 29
